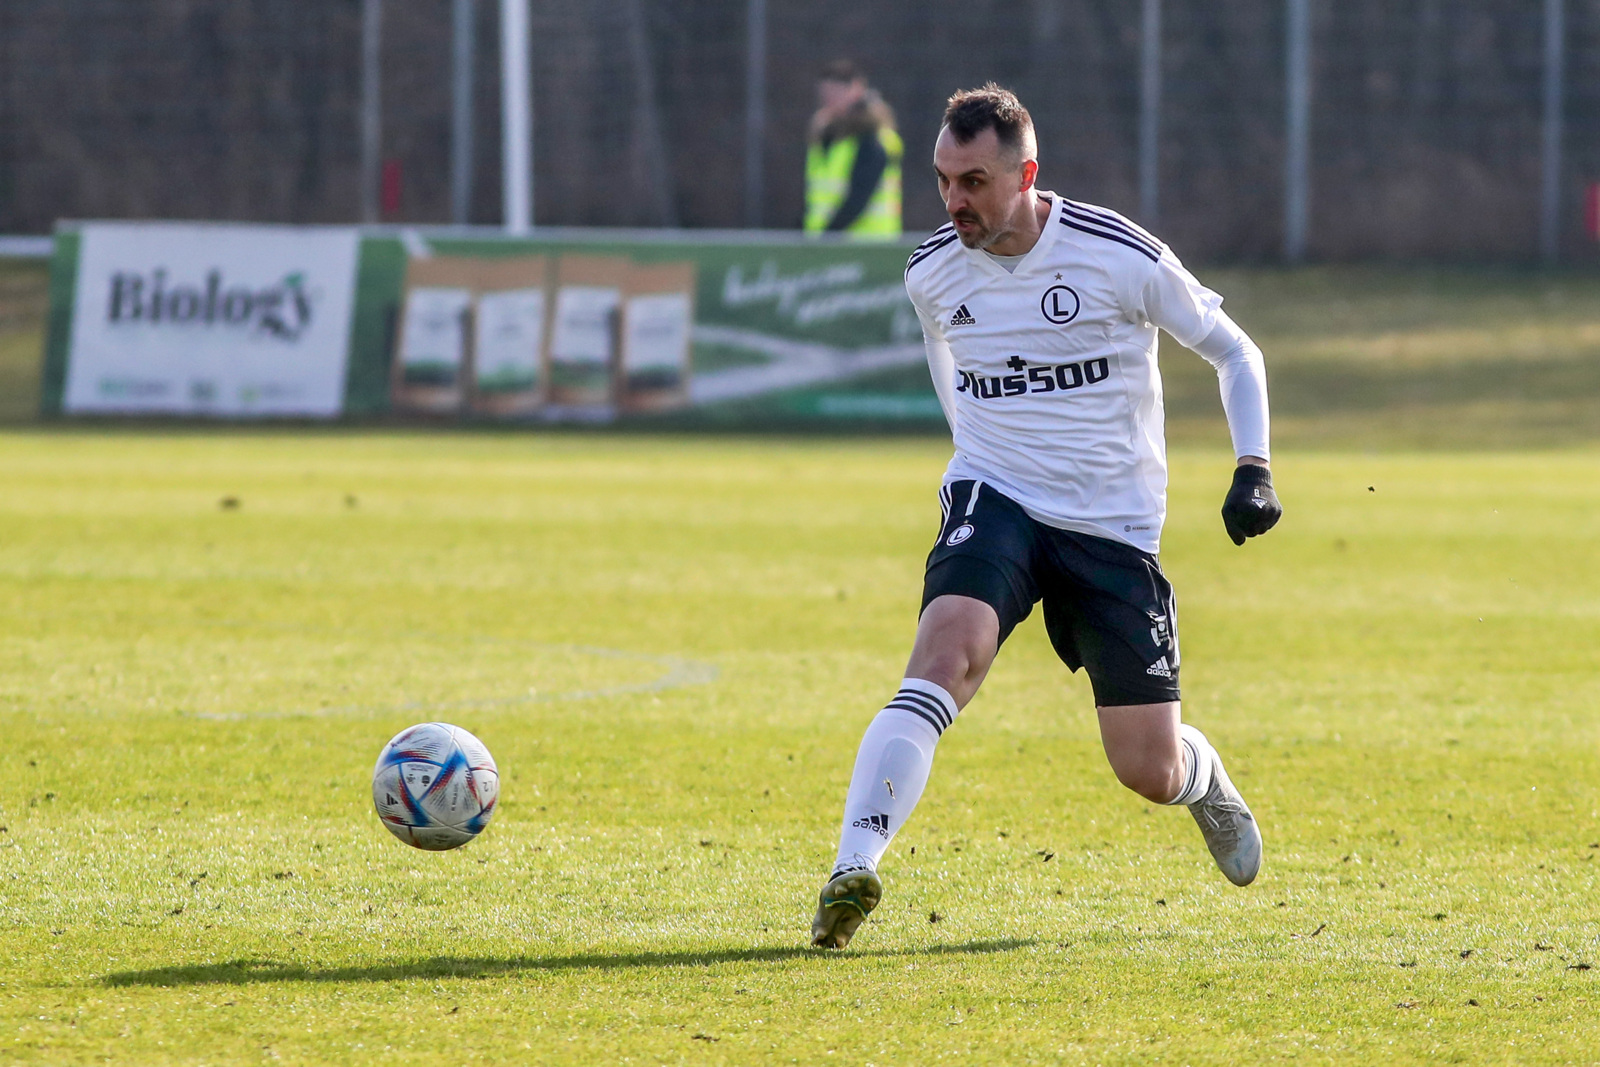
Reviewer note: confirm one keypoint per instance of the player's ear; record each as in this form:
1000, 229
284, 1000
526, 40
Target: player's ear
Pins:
1030, 171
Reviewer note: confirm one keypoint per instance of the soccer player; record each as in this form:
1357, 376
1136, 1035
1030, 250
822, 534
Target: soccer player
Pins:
1040, 317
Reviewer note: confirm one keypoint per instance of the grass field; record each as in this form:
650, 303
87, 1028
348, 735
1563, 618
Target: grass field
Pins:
671, 646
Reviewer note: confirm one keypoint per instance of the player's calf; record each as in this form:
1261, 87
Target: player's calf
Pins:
1142, 746
891, 770
1170, 762
1156, 776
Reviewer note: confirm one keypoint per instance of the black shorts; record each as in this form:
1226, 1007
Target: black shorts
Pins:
1107, 606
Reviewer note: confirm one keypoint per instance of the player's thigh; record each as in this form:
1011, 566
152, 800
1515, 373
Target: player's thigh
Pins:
978, 586
1109, 610
986, 550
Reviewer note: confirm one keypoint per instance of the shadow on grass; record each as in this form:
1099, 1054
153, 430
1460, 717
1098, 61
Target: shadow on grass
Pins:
245, 972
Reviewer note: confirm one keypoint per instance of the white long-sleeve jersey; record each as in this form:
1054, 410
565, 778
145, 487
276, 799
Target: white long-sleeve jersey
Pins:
1048, 374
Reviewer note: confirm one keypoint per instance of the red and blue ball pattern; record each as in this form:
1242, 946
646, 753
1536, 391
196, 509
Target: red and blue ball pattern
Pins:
435, 786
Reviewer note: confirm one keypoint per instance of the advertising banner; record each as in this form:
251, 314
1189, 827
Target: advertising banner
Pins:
508, 330
216, 320
759, 331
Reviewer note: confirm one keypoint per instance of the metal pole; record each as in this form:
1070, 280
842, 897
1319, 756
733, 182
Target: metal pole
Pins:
1555, 32
755, 111
1296, 168
371, 106
1150, 114
465, 55
516, 116
647, 109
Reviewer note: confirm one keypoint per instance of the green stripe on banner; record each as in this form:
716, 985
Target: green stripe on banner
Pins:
380, 275
58, 335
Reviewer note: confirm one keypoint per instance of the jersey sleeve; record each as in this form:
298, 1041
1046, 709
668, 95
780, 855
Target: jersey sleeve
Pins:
941, 361
1174, 300
941, 367
1242, 378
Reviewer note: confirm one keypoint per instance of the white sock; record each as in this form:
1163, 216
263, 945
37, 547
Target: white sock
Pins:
1197, 759
892, 768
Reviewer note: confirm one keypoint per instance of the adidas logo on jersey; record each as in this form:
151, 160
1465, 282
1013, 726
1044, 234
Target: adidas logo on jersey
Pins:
878, 824
1159, 668
963, 317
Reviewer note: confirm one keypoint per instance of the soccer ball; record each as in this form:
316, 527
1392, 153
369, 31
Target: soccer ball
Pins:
435, 786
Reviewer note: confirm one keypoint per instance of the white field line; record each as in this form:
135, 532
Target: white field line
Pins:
794, 363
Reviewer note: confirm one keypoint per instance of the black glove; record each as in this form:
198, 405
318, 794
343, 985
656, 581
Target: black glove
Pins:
1251, 508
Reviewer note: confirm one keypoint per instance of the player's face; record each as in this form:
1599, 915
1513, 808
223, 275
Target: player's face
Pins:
982, 186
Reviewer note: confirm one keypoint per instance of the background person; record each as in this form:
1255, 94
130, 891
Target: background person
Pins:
852, 158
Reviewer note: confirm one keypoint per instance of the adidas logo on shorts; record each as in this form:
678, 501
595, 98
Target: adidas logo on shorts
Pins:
1159, 668
963, 317
878, 824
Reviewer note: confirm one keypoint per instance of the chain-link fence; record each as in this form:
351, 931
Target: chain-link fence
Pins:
1424, 126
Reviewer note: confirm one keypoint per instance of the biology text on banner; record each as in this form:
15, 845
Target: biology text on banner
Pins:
210, 319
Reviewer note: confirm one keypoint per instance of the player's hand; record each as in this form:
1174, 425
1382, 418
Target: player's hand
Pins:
1251, 508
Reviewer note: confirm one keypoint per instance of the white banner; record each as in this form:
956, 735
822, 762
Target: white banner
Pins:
224, 320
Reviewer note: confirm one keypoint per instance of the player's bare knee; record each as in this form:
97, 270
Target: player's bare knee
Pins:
956, 666
956, 642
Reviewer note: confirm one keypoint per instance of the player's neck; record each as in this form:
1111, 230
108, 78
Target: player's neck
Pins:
1028, 225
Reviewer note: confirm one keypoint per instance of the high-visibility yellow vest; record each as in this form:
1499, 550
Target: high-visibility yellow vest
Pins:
828, 182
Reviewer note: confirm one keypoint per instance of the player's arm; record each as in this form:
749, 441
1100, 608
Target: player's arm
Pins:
1176, 302
1251, 507
941, 364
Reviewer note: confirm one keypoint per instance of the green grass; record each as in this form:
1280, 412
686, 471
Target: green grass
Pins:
1405, 357
671, 645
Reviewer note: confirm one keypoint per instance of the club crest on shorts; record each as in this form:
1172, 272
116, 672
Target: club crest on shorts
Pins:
959, 534
1160, 631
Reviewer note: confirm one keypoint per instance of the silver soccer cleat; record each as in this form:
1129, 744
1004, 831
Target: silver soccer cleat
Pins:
1230, 830
845, 903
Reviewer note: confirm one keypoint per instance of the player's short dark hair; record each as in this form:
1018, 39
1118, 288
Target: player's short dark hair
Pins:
841, 70
971, 111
